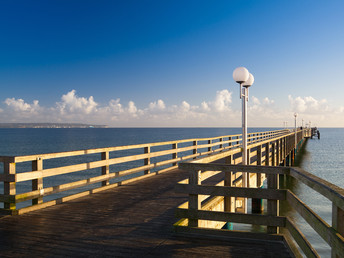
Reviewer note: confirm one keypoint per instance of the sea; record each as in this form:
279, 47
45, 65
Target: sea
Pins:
323, 157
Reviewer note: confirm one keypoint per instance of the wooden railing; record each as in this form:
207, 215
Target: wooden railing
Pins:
197, 216
38, 181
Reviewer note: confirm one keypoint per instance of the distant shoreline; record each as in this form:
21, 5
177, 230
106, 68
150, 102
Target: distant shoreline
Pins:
50, 125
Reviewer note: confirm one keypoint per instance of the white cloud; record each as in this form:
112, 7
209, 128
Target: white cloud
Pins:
308, 105
216, 112
185, 107
19, 105
267, 101
255, 100
132, 108
71, 103
205, 106
157, 105
115, 106
222, 100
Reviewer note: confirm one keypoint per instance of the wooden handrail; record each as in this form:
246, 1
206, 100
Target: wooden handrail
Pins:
333, 235
153, 160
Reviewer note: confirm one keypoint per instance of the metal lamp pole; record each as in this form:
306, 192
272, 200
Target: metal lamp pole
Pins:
245, 79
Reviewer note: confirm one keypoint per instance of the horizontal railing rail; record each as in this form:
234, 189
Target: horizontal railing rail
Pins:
36, 181
193, 213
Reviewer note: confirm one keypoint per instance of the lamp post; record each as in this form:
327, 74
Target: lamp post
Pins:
245, 79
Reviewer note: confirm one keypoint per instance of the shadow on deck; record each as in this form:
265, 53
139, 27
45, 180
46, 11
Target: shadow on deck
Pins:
133, 220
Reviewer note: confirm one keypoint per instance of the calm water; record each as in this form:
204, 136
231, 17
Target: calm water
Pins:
324, 157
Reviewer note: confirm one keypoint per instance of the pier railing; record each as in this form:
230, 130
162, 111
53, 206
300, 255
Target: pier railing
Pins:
37, 181
211, 205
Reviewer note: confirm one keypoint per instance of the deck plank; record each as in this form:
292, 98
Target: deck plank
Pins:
133, 220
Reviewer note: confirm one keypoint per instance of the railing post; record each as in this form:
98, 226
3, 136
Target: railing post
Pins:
273, 154
273, 205
37, 184
147, 160
267, 154
106, 168
257, 206
209, 142
221, 145
9, 187
281, 151
195, 178
195, 148
230, 143
248, 160
174, 155
337, 224
285, 150
229, 202
277, 153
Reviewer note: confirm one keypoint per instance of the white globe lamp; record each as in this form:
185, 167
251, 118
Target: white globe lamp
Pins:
240, 74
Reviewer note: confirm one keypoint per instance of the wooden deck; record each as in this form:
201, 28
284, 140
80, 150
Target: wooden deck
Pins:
133, 220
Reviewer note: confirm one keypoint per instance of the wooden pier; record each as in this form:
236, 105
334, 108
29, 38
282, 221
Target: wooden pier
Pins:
110, 211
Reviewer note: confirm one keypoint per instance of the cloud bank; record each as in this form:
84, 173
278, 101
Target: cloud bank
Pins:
217, 112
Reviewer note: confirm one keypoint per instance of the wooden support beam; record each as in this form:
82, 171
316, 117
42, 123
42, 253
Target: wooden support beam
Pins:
329, 234
254, 219
229, 202
257, 204
267, 154
273, 205
106, 168
9, 187
338, 225
195, 178
195, 148
37, 184
210, 147
300, 239
175, 155
147, 160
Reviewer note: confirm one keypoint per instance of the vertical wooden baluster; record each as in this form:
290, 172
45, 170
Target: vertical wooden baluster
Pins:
147, 160
248, 157
273, 205
174, 155
273, 154
337, 224
257, 206
209, 142
9, 187
106, 168
267, 154
230, 143
37, 184
277, 153
281, 151
285, 150
221, 145
195, 178
229, 202
195, 148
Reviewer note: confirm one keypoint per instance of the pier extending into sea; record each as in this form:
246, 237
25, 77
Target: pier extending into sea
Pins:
176, 198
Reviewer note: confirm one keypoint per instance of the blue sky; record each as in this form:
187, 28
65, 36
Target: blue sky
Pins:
170, 63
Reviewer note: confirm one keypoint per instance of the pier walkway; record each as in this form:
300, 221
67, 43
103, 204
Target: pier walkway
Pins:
178, 198
134, 220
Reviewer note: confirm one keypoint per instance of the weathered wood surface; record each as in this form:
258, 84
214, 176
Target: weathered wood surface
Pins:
134, 220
